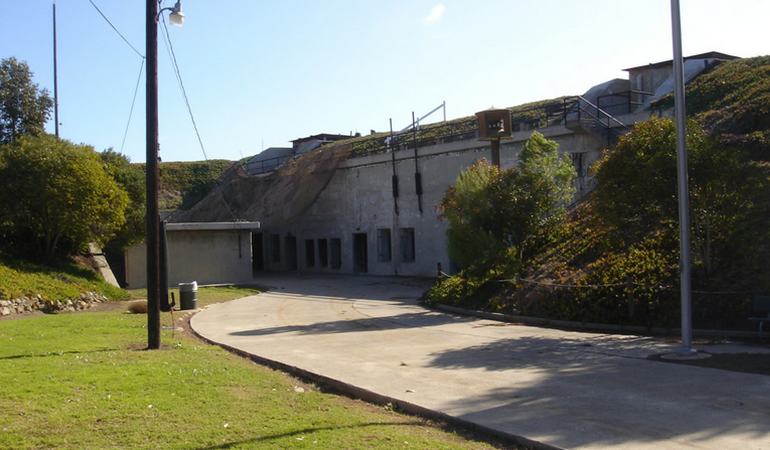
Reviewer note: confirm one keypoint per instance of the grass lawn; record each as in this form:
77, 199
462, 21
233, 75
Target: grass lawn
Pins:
206, 295
18, 278
79, 380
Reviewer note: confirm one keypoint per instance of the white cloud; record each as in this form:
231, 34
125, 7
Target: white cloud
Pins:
436, 13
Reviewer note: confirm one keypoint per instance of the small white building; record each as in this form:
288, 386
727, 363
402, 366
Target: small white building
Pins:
206, 252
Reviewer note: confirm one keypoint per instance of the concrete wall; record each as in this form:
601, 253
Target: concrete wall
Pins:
358, 199
208, 257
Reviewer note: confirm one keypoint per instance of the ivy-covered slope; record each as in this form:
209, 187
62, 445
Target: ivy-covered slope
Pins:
184, 183
732, 101
618, 264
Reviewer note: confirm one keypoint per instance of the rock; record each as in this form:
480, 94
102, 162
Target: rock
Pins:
5, 303
5, 311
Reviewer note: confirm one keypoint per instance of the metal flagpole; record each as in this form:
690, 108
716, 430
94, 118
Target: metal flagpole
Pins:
55, 79
683, 190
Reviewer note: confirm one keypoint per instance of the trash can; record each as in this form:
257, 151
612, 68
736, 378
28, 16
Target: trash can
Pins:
188, 295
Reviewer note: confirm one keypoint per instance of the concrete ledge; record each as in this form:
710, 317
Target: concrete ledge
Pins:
588, 326
211, 226
349, 390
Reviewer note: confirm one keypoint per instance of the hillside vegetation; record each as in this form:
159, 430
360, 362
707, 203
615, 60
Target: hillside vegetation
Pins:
60, 282
732, 102
615, 258
184, 183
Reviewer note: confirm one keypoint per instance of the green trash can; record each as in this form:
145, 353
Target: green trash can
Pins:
188, 295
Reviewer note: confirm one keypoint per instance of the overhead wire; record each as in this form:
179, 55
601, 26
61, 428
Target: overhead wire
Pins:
172, 55
116, 29
139, 77
133, 102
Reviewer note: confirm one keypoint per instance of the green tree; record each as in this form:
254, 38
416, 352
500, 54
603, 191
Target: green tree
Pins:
490, 211
57, 195
131, 179
729, 197
24, 108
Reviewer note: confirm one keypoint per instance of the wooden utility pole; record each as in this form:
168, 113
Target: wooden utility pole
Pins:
152, 216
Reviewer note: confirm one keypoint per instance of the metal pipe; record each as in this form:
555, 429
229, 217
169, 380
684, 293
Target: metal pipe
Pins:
682, 181
152, 218
415, 123
394, 178
55, 79
495, 143
417, 176
165, 306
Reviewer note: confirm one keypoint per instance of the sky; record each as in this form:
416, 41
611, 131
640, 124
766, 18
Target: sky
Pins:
260, 73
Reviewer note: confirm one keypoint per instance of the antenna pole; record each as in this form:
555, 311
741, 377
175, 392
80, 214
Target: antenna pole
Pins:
55, 79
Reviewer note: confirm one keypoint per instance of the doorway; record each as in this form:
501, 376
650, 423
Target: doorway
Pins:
257, 253
360, 255
291, 252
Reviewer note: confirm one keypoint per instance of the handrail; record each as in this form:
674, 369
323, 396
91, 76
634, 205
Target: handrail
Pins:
266, 165
603, 112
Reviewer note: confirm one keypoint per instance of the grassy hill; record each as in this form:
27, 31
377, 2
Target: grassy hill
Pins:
65, 281
732, 101
184, 183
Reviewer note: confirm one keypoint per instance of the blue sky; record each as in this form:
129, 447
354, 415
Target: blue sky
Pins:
265, 72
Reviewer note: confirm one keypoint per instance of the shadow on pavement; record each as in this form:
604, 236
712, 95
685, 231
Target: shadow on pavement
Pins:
623, 399
401, 321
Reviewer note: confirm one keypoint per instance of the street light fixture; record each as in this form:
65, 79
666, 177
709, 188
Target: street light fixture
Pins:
177, 16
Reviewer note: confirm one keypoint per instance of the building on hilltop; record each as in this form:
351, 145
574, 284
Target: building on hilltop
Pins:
368, 204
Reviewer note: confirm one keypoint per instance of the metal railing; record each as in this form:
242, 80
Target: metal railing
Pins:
266, 165
622, 102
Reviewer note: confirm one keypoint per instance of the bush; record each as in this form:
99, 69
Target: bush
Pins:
490, 210
131, 179
56, 197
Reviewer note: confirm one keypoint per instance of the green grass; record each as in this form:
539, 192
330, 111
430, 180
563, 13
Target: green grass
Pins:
184, 183
79, 381
206, 295
18, 278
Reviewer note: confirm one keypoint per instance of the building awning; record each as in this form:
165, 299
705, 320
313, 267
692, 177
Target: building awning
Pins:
211, 226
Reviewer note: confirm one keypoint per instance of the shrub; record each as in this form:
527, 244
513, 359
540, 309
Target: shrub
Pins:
490, 210
56, 196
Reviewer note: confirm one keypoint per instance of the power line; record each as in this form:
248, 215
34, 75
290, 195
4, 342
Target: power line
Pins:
178, 73
116, 30
172, 54
133, 101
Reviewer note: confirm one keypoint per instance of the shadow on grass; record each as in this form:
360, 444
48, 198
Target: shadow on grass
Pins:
71, 352
271, 437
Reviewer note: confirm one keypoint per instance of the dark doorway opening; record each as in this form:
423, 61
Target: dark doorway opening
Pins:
291, 252
360, 256
336, 253
257, 253
323, 253
309, 253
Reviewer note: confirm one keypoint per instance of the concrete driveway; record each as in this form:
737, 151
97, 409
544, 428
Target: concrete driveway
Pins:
565, 389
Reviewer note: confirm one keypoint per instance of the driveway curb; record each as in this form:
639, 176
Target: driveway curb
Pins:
366, 395
587, 326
